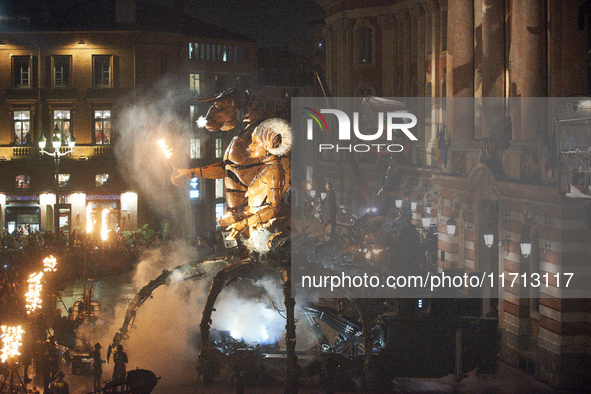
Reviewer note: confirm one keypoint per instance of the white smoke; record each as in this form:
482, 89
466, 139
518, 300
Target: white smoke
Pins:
164, 337
142, 120
258, 319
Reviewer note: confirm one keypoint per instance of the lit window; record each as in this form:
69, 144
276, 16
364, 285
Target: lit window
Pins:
219, 188
61, 119
191, 50
219, 212
102, 127
63, 180
195, 148
218, 148
365, 45
21, 69
194, 188
22, 127
101, 180
194, 84
22, 181
102, 65
61, 71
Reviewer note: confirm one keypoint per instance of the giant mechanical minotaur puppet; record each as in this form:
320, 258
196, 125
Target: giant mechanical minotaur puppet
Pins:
256, 172
239, 167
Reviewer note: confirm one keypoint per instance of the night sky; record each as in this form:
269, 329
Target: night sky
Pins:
270, 22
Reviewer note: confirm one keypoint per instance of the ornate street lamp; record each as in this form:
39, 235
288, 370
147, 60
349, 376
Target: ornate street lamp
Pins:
56, 142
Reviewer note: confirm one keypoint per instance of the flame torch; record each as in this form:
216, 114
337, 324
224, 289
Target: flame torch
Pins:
104, 224
12, 340
33, 296
49, 264
167, 152
89, 219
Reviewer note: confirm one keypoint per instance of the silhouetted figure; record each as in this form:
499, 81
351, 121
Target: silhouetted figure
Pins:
120, 359
97, 366
50, 362
59, 386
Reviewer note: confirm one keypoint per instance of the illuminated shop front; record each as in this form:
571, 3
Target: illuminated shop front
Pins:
96, 213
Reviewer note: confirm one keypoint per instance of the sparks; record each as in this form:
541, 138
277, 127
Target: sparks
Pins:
104, 224
12, 340
165, 148
50, 264
33, 296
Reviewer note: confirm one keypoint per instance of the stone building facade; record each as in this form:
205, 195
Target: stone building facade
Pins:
494, 170
69, 71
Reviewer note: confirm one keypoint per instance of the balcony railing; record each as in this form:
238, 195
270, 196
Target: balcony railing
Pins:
22, 151
102, 150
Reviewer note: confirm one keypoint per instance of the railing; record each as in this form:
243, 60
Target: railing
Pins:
22, 151
102, 150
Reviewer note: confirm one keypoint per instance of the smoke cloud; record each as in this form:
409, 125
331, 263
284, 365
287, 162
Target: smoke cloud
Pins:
165, 334
142, 120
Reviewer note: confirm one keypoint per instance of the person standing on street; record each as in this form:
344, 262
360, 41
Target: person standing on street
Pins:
120, 359
97, 366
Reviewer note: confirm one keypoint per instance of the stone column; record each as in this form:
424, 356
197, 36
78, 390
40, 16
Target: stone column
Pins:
493, 49
432, 19
399, 61
419, 13
460, 69
493, 68
406, 53
387, 24
528, 64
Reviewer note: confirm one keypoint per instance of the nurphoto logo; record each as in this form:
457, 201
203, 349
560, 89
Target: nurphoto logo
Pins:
403, 121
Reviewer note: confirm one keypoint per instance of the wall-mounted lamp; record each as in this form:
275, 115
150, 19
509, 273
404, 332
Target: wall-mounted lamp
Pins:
525, 245
451, 226
455, 205
81, 42
489, 237
426, 219
530, 218
432, 199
